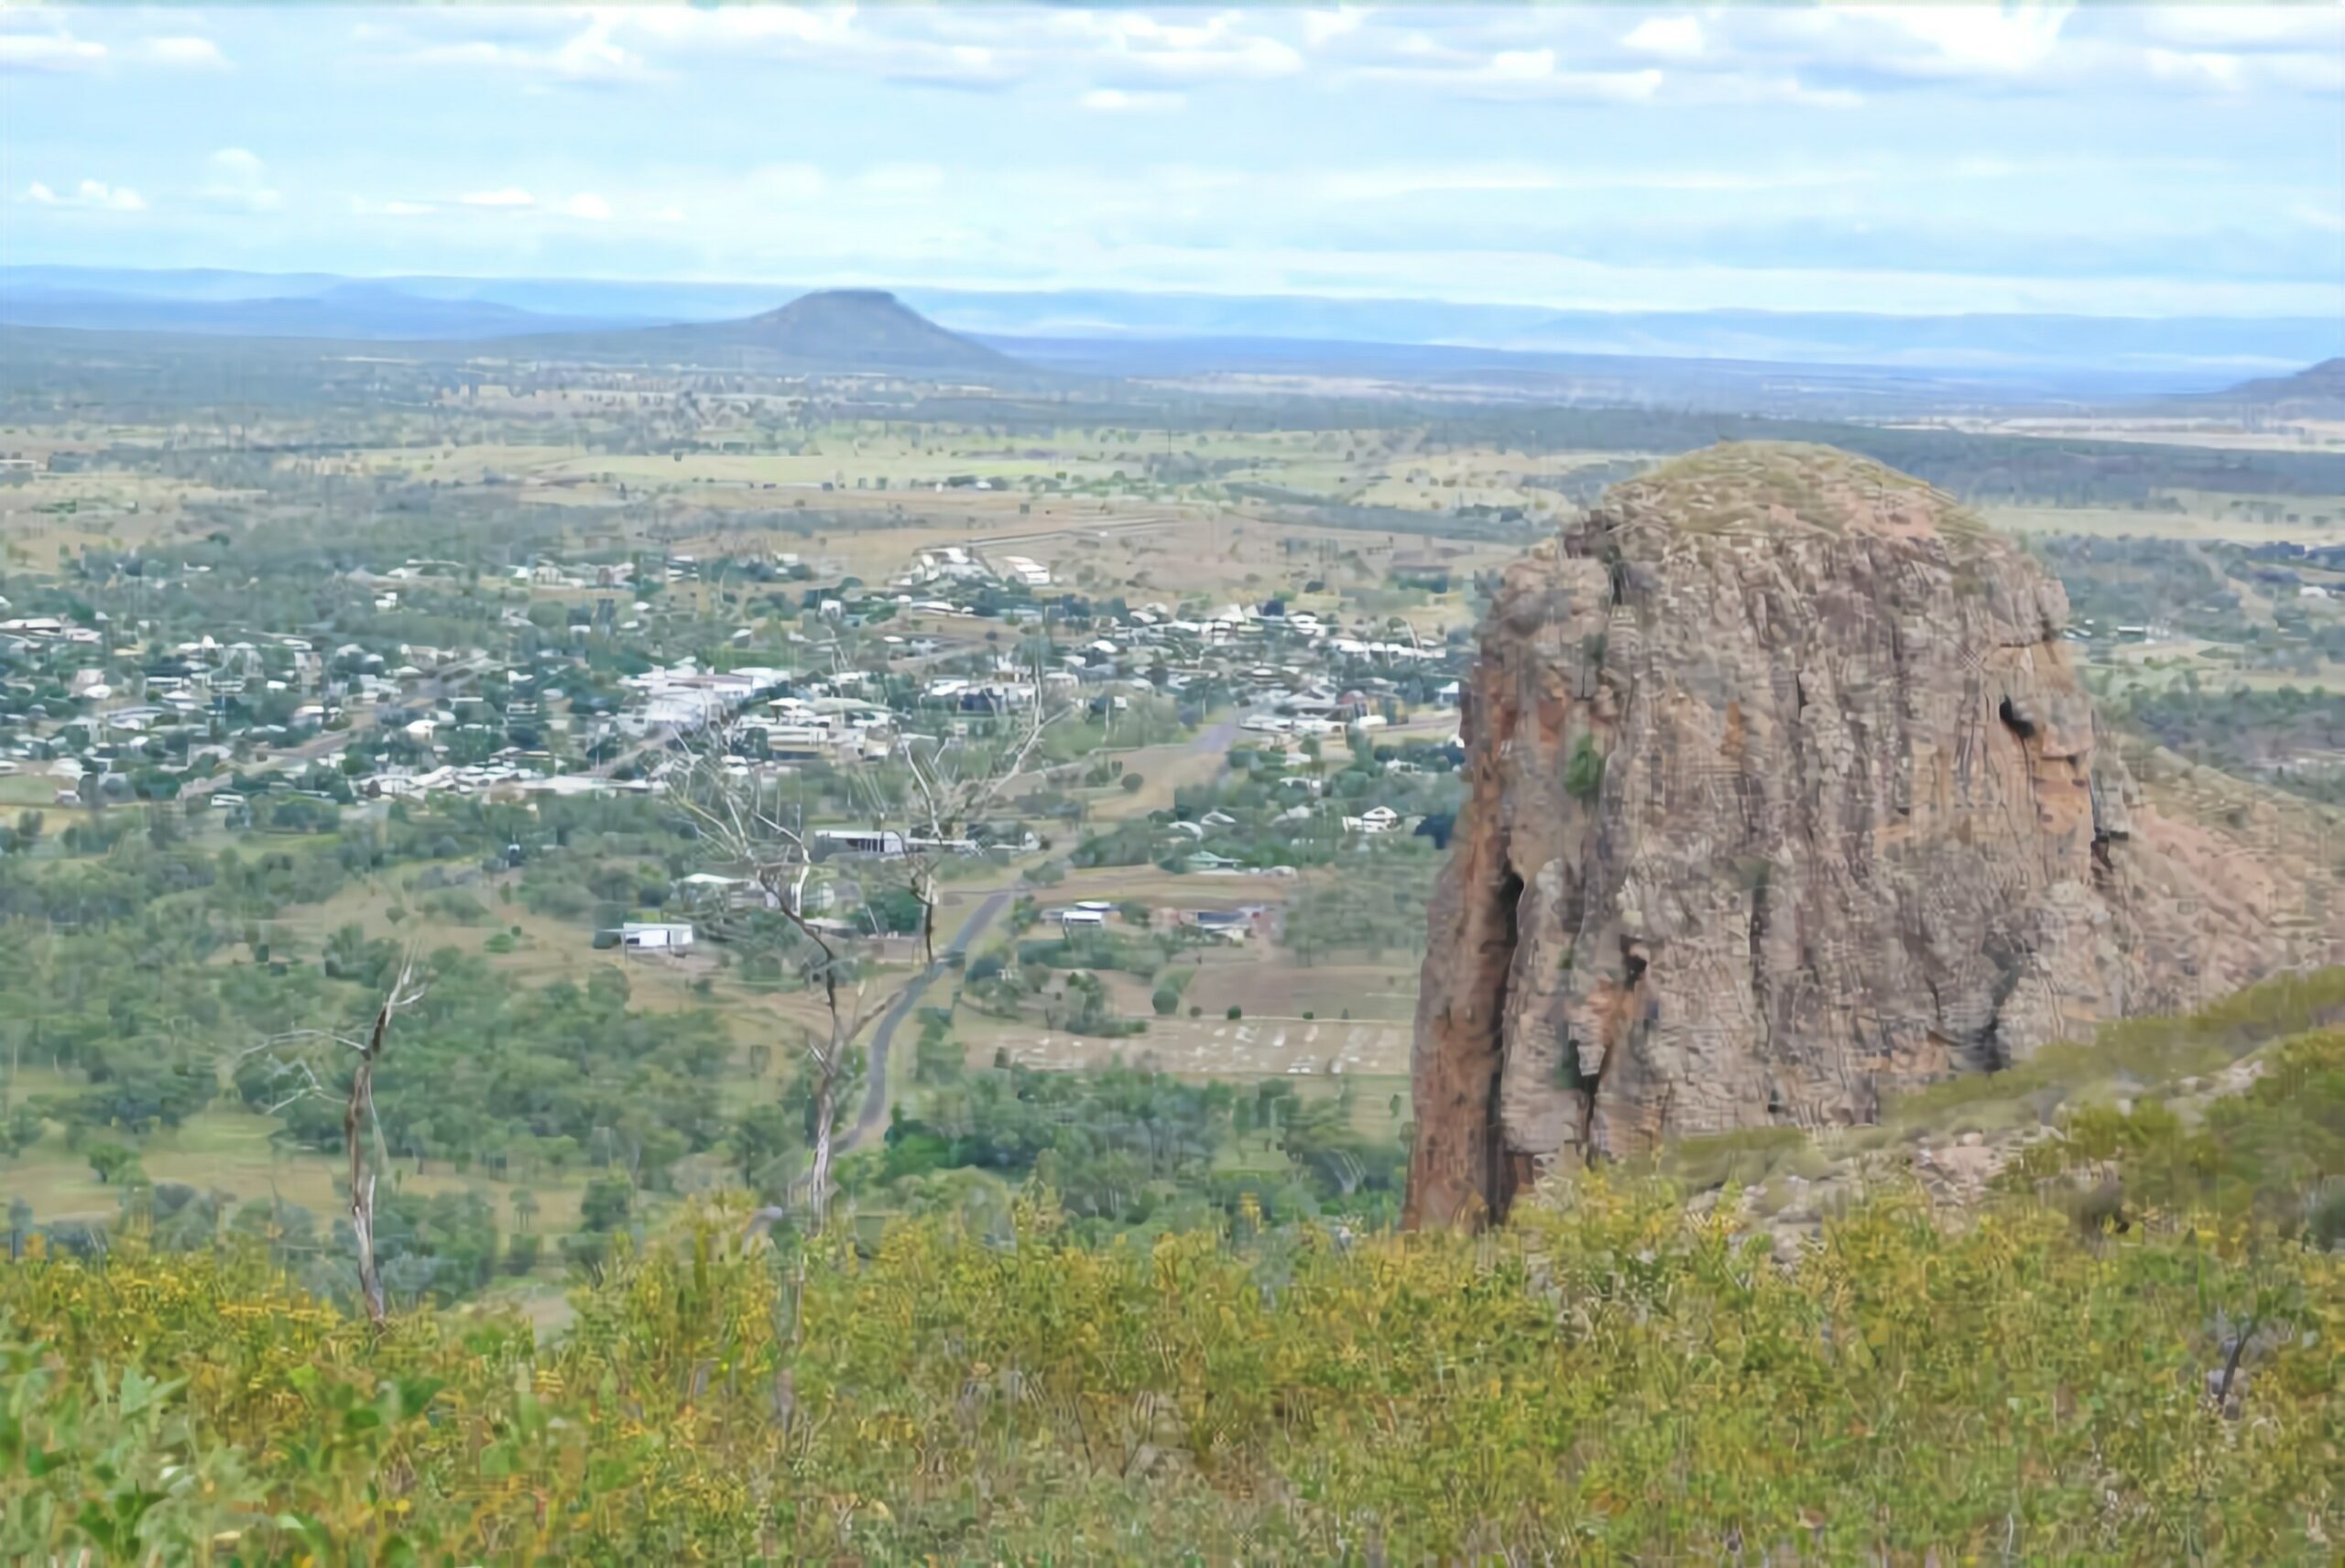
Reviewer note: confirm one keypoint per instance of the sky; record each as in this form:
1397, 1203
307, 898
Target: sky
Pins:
2116, 159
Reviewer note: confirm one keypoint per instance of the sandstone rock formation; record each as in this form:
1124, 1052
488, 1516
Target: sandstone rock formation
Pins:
1783, 790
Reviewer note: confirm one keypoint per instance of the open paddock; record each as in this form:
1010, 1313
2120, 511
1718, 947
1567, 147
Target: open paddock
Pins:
1210, 1047
2201, 521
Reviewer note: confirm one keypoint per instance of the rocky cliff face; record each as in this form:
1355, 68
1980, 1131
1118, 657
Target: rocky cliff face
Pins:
1784, 791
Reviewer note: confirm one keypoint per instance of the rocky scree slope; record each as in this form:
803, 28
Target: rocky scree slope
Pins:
1784, 792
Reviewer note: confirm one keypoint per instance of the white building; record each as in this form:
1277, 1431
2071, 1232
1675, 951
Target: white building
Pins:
660, 936
884, 841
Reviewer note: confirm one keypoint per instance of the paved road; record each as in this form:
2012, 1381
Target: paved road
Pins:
873, 1119
1106, 526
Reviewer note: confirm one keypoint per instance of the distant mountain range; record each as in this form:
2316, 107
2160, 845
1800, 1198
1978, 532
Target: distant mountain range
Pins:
366, 312
2072, 357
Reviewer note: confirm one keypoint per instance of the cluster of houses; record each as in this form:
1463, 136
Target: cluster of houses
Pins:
924, 656
685, 697
969, 564
24, 634
1241, 924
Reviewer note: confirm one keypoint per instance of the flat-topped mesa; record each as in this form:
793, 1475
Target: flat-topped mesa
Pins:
1782, 791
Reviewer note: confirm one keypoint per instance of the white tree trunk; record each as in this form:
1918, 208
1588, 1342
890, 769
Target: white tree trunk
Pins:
818, 1176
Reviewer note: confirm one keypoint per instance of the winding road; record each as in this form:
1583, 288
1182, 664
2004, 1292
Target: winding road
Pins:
874, 1119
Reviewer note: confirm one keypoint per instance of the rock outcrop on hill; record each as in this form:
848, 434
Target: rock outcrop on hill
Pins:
1784, 791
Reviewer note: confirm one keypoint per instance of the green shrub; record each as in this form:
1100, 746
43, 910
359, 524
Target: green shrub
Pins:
1914, 1388
1584, 774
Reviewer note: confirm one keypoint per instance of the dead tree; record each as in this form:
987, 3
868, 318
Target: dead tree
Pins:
359, 1123
948, 789
954, 791
360, 1108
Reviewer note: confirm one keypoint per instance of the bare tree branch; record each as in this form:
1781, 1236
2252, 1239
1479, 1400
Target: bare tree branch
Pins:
403, 993
939, 810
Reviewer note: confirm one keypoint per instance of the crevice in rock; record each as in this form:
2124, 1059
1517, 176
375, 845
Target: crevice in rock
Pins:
1993, 1052
1498, 1176
1575, 1076
1762, 1002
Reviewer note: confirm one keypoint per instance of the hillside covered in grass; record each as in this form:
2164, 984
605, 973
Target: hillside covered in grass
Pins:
2131, 1349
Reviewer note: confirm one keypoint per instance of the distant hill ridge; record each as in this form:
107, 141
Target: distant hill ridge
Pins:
2315, 386
834, 330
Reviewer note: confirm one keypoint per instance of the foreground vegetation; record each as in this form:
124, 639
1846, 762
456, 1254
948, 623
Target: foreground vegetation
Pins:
2134, 1353
1612, 1380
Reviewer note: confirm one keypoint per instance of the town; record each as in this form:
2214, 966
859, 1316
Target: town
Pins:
122, 692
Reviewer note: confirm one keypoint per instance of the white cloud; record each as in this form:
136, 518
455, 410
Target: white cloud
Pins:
1674, 38
186, 52
394, 207
1323, 27
902, 179
786, 182
1398, 184
236, 178
1538, 74
94, 194
52, 47
1127, 44
590, 56
52, 50
953, 65
782, 27
924, 45
2224, 72
1831, 56
2244, 28
1119, 100
1997, 40
1332, 148
1105, 59
660, 43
